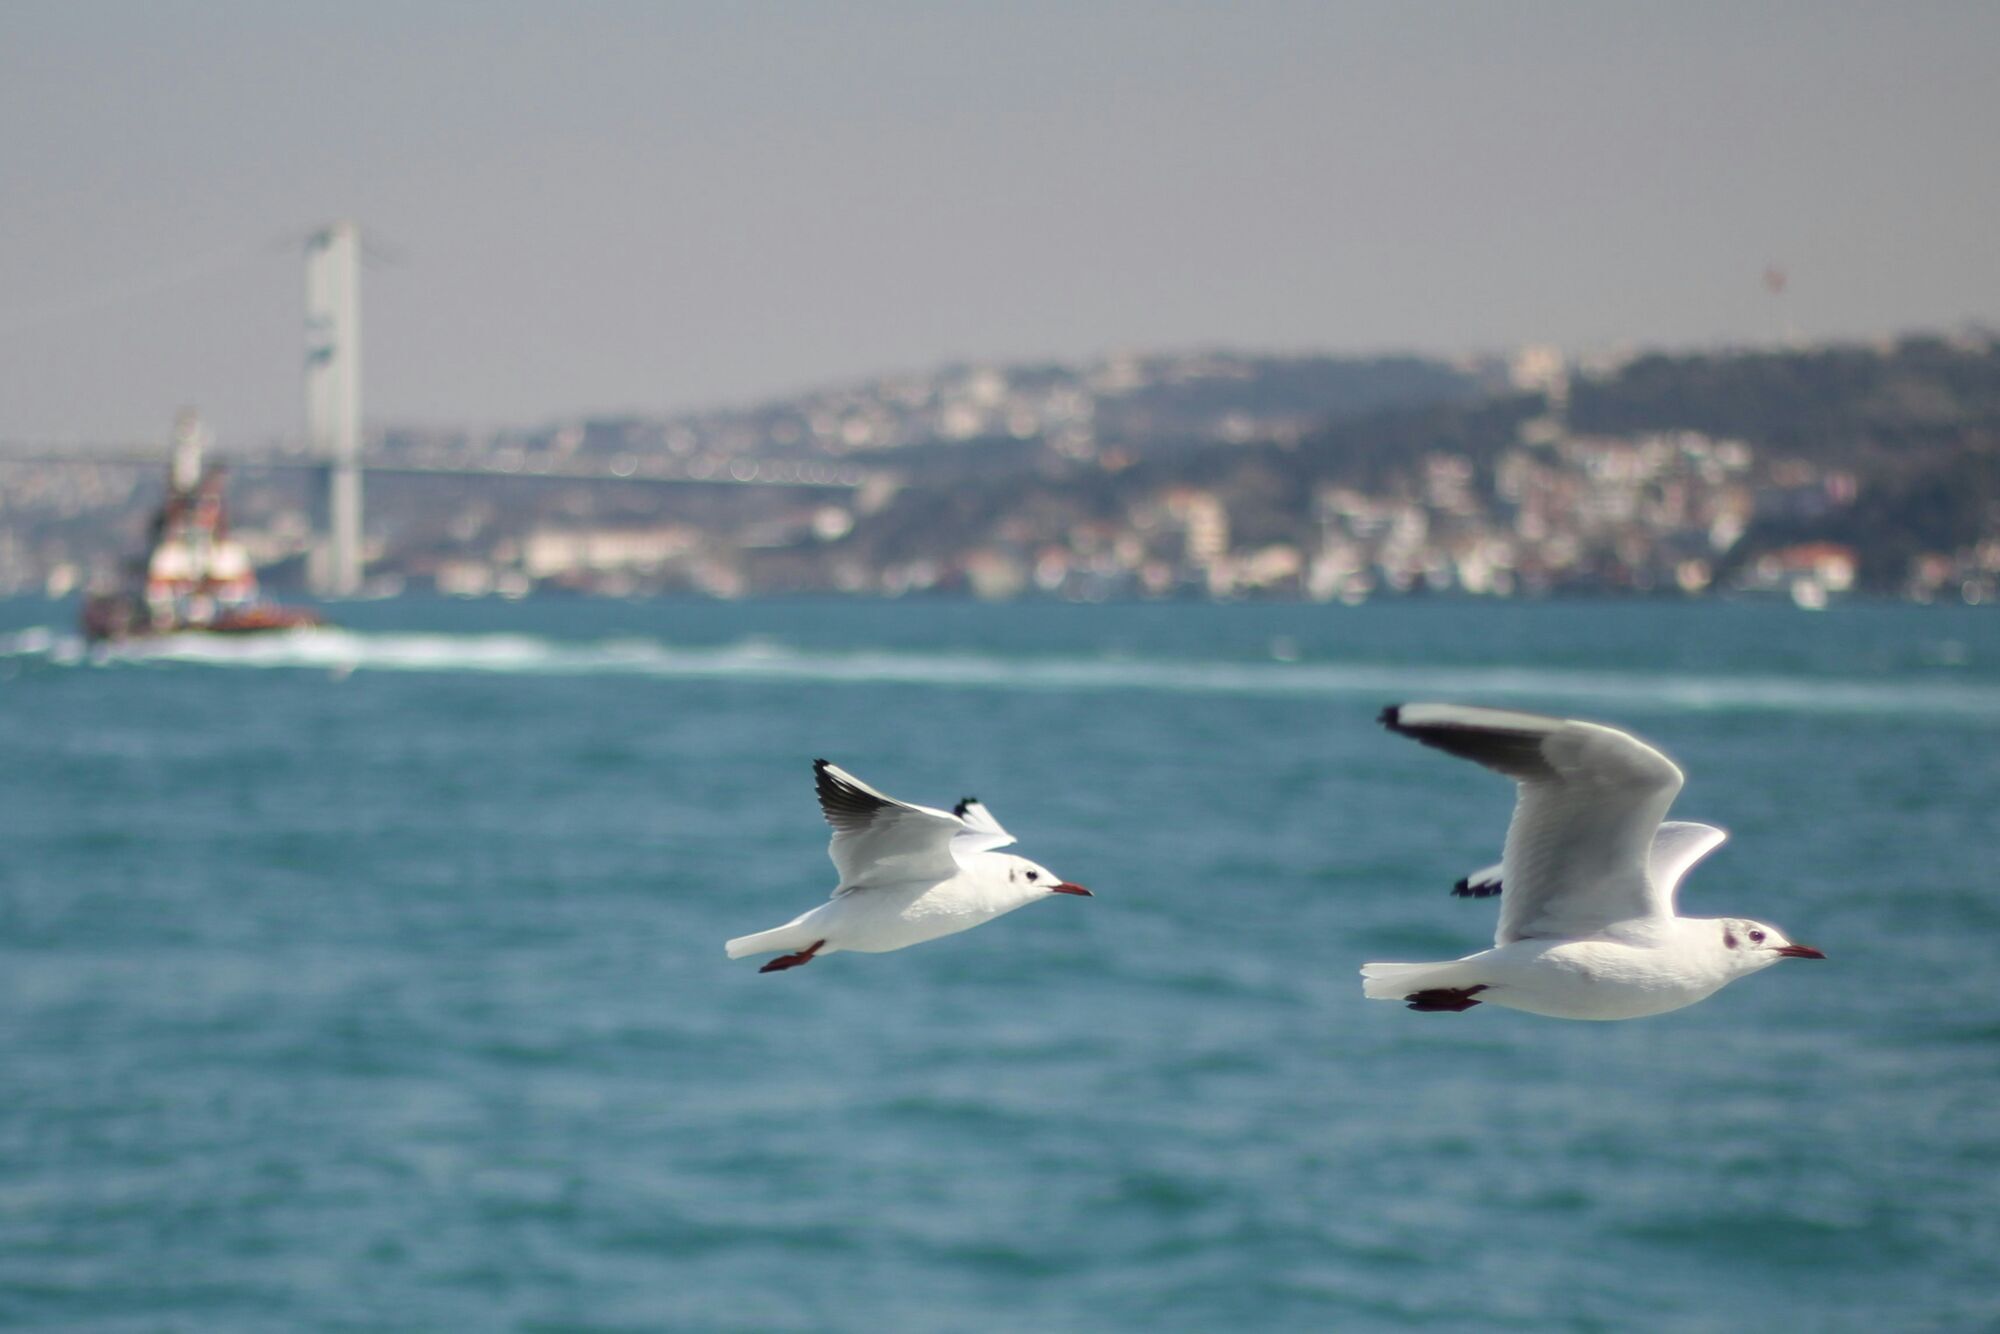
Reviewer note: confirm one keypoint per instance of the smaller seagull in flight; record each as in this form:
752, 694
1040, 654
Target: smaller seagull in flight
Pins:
1586, 881
907, 874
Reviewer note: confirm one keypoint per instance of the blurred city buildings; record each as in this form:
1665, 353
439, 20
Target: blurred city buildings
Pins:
1806, 474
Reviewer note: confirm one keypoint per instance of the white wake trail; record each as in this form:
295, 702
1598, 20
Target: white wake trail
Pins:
340, 652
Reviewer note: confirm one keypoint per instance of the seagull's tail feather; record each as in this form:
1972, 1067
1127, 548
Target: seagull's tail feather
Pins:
1394, 981
786, 939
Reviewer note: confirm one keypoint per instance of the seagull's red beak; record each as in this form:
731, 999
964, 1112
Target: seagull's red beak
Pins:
1067, 888
1799, 952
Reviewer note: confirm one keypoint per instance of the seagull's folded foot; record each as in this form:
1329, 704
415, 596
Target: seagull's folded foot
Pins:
784, 961
1453, 999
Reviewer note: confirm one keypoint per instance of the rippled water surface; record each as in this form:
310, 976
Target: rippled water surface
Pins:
373, 979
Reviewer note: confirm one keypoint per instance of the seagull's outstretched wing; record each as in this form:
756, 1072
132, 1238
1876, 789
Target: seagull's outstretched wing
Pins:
982, 833
1591, 800
1480, 884
878, 840
1676, 848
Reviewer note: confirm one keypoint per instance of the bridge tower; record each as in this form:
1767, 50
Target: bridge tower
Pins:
333, 400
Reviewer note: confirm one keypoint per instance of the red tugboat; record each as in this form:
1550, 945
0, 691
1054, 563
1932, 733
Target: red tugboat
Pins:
192, 577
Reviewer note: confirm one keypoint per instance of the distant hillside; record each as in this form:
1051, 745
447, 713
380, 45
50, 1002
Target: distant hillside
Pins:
1133, 401
1917, 423
1830, 404
1893, 453
1203, 474
1221, 395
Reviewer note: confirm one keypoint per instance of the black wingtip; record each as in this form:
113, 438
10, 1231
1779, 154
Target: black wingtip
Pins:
840, 800
963, 802
1502, 746
1464, 887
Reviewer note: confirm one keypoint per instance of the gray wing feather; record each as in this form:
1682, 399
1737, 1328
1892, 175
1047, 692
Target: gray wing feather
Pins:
1677, 846
880, 840
1589, 803
1483, 884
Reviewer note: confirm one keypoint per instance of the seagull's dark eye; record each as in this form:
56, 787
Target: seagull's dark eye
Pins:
1757, 937
1034, 875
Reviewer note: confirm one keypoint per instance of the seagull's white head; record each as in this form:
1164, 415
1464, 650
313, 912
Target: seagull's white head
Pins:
1036, 882
1754, 945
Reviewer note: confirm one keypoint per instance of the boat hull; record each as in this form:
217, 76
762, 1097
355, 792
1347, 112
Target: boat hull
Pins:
117, 616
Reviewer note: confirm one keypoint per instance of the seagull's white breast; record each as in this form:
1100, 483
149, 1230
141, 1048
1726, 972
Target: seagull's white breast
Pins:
1600, 979
891, 917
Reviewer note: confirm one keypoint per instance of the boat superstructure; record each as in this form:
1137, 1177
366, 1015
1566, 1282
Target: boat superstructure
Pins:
192, 576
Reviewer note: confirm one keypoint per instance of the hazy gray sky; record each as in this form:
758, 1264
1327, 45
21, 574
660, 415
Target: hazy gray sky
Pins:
594, 208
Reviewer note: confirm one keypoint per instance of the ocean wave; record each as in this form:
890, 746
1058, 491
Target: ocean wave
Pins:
340, 652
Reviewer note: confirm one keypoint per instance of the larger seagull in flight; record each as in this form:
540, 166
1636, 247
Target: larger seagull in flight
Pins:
1586, 881
907, 874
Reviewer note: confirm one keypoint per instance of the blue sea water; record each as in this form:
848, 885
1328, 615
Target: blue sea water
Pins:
374, 979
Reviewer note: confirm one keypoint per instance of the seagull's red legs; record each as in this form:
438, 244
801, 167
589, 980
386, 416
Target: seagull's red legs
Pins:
1453, 999
784, 961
